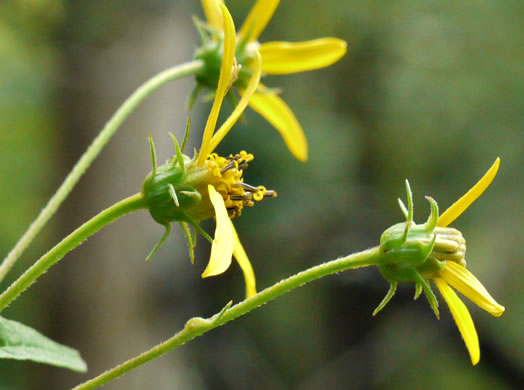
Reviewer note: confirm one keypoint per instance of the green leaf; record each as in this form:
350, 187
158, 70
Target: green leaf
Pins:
20, 342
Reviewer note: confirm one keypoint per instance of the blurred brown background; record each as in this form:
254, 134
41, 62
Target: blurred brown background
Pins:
430, 91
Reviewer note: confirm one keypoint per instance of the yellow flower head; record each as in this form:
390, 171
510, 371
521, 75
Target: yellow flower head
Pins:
190, 190
434, 251
277, 58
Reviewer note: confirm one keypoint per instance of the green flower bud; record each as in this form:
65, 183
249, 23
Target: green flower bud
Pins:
211, 53
415, 252
174, 192
407, 245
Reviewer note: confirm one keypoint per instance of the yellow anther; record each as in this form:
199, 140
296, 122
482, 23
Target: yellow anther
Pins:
259, 195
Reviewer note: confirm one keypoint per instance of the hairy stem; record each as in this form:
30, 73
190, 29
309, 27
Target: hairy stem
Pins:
176, 72
198, 326
128, 205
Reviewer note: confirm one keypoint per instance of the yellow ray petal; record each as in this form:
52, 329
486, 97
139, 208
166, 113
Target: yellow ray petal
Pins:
277, 112
294, 57
223, 83
245, 265
222, 247
457, 208
462, 319
213, 14
239, 109
257, 19
465, 282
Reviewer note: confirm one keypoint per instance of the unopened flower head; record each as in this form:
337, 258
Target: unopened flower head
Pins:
277, 58
434, 251
190, 190
408, 246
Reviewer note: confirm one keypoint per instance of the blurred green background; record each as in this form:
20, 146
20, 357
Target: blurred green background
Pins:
431, 91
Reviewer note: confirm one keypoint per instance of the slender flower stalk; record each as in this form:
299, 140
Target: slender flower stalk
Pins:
126, 206
278, 58
198, 326
142, 92
407, 252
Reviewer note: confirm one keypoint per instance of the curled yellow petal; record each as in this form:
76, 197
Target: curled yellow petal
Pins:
277, 112
465, 282
462, 319
245, 264
212, 12
226, 67
223, 241
242, 104
457, 208
257, 19
294, 57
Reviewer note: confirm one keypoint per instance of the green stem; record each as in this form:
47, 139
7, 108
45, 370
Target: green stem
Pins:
176, 72
133, 203
198, 326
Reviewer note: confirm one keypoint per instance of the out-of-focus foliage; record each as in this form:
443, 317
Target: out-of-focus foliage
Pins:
20, 342
29, 66
429, 91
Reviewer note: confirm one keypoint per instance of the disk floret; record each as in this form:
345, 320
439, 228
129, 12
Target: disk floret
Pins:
228, 181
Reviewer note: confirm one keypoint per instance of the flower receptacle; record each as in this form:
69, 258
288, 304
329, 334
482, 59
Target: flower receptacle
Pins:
177, 192
407, 245
416, 252
410, 250
211, 52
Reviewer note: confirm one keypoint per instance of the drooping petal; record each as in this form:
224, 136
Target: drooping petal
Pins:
277, 112
294, 57
245, 264
242, 104
257, 19
462, 319
465, 282
469, 197
223, 83
223, 242
213, 14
